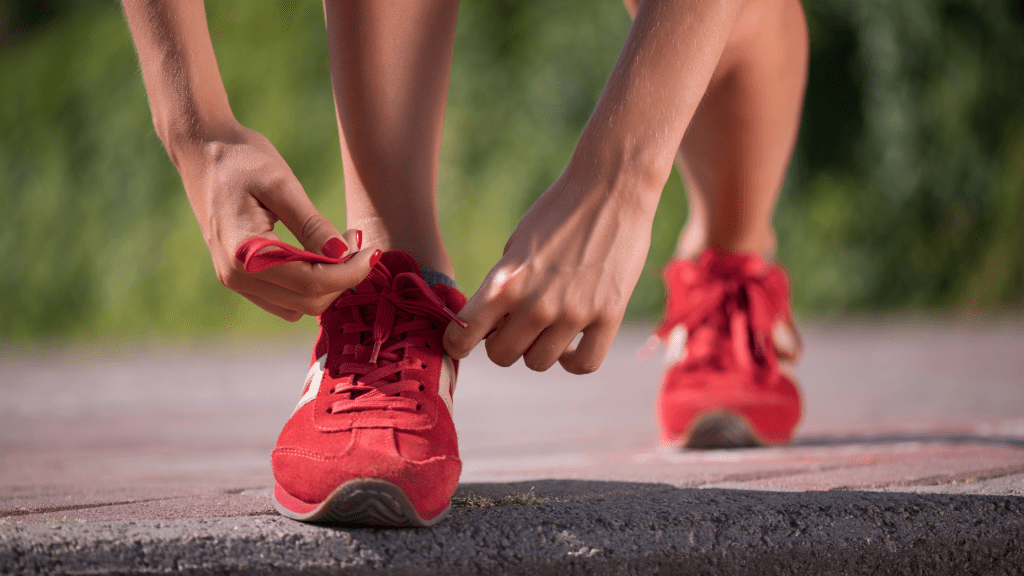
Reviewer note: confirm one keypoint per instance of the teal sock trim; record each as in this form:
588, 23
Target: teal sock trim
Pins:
433, 277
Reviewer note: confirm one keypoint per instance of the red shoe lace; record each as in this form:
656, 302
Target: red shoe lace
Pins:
735, 307
401, 304
255, 259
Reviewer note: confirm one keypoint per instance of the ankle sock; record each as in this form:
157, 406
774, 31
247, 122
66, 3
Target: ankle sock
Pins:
433, 277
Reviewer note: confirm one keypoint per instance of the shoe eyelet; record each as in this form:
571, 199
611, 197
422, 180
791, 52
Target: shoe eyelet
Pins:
423, 366
418, 406
422, 388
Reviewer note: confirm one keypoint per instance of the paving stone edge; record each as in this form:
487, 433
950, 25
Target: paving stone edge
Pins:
610, 528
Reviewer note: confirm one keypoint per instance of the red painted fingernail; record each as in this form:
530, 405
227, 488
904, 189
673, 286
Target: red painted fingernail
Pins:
333, 248
375, 258
359, 239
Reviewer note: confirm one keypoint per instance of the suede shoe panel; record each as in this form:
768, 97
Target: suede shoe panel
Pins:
311, 476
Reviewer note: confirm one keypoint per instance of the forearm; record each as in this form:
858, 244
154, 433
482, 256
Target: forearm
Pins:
186, 94
662, 73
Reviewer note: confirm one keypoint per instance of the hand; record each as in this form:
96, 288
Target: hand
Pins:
569, 267
239, 187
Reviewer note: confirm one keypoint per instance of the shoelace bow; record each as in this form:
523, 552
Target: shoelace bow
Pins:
372, 374
738, 304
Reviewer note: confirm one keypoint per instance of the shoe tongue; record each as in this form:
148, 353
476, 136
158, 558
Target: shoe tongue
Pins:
454, 299
397, 262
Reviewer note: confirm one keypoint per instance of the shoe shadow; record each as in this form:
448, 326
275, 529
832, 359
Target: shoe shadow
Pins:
904, 438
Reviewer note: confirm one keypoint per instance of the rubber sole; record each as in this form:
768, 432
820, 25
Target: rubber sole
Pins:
718, 430
358, 502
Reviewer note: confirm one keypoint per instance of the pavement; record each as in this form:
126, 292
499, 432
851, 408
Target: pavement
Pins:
909, 460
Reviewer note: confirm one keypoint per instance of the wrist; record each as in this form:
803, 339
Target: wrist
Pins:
193, 144
629, 177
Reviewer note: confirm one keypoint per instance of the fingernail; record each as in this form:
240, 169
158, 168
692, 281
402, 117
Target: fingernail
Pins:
375, 258
333, 248
359, 239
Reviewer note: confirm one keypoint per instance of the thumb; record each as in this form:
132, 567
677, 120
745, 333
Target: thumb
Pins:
314, 231
458, 341
482, 314
316, 234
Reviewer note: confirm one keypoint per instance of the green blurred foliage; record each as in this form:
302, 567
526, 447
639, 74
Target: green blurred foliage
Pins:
906, 191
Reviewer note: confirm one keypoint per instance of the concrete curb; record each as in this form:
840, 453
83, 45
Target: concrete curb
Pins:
572, 527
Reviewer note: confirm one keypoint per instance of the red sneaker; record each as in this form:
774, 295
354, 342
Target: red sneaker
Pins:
730, 348
372, 439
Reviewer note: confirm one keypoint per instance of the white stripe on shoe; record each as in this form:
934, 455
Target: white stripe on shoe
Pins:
446, 385
313, 379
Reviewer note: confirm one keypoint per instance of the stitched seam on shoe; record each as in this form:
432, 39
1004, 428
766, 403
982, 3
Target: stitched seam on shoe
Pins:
373, 421
291, 451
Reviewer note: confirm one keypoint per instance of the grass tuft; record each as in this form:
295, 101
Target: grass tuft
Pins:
521, 499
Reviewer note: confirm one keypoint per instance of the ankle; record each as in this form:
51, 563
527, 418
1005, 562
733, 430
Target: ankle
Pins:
691, 245
423, 244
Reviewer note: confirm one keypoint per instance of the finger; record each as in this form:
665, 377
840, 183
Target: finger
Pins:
354, 239
314, 280
305, 287
290, 203
552, 344
284, 298
289, 315
484, 311
593, 347
301, 303
351, 242
524, 326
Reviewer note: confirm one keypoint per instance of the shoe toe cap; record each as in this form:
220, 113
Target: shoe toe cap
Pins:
772, 409
311, 475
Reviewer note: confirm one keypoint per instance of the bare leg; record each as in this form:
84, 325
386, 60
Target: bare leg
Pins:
737, 147
390, 66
